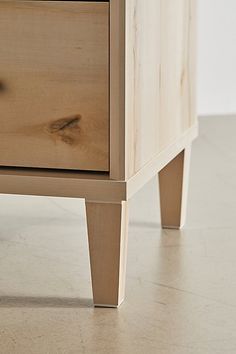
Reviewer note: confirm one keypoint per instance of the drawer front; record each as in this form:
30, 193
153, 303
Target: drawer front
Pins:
54, 84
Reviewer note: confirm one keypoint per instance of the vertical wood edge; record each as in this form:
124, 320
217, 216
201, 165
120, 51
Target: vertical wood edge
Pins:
193, 50
185, 184
117, 89
124, 249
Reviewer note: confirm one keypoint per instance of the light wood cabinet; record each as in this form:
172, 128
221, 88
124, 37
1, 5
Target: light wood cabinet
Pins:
96, 98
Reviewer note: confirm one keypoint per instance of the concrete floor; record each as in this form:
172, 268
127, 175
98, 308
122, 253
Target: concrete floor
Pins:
181, 286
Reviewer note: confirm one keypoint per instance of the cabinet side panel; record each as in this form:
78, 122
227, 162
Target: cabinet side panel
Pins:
160, 76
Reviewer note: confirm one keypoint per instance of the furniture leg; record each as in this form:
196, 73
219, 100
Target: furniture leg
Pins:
107, 234
173, 185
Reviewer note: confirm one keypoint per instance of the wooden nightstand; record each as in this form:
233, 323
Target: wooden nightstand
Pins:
96, 98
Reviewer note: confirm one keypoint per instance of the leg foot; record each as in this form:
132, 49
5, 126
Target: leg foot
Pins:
107, 234
173, 184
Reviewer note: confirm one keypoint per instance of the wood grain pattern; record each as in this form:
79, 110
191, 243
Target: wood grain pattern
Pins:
135, 183
159, 76
108, 237
54, 84
159, 70
92, 186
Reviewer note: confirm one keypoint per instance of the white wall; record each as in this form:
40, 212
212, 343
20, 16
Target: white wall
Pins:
216, 57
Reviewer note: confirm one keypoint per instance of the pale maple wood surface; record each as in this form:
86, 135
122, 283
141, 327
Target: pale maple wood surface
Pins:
157, 79
117, 90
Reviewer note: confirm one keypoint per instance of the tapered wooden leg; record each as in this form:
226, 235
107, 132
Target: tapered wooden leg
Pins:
107, 234
173, 184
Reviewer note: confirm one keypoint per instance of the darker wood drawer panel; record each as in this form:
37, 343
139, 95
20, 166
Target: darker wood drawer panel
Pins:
54, 84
